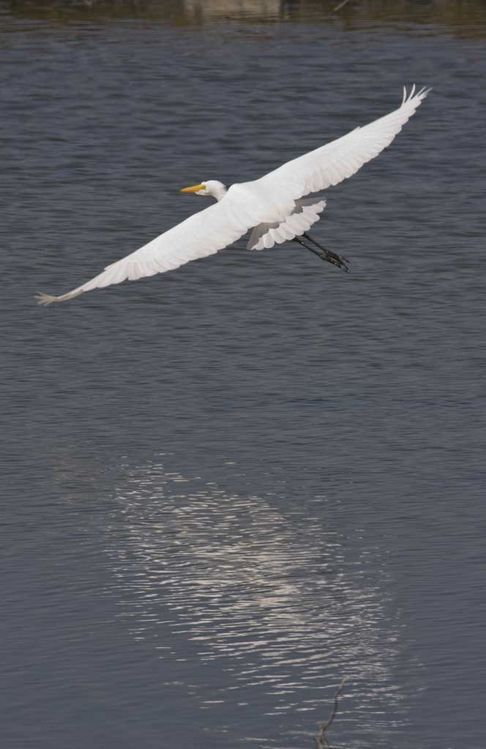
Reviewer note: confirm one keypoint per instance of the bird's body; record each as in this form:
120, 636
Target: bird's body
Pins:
274, 207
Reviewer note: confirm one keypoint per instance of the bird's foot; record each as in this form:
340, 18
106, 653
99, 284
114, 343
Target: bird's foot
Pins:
339, 262
328, 255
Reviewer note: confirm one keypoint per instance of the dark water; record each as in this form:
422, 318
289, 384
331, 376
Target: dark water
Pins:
231, 486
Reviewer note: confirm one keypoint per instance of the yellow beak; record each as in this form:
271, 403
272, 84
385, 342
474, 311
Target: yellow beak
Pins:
192, 188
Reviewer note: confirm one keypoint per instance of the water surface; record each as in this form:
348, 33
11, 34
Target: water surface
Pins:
231, 486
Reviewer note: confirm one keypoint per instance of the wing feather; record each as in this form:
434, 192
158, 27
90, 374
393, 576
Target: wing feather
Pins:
200, 235
306, 211
336, 161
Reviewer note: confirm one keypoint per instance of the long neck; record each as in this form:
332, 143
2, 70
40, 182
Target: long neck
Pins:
218, 191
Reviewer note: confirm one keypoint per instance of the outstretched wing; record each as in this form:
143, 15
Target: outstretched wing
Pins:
340, 159
200, 235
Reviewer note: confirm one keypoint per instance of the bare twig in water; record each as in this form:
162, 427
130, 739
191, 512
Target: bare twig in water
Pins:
320, 739
340, 5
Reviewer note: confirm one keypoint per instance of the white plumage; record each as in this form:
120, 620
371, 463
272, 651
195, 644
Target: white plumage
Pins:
305, 213
271, 205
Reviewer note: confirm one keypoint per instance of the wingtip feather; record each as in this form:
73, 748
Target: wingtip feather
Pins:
45, 299
414, 94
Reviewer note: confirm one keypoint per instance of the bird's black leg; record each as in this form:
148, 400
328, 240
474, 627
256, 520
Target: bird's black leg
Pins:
311, 249
331, 257
321, 252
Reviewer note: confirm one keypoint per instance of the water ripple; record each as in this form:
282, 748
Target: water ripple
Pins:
281, 601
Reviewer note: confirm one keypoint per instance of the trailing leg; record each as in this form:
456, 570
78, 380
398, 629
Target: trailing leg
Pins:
322, 253
331, 257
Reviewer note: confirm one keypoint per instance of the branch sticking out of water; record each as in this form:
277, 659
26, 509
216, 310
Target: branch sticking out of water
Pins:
340, 5
320, 739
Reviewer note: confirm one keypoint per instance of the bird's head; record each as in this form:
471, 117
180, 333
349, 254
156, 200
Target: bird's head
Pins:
211, 187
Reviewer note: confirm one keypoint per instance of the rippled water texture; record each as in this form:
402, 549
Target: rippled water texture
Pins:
231, 486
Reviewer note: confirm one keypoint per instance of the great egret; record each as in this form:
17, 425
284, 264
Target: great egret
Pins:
272, 206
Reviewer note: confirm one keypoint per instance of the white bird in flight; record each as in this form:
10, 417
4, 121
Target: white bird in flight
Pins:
273, 207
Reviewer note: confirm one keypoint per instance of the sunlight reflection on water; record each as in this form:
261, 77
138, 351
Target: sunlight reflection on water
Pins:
276, 597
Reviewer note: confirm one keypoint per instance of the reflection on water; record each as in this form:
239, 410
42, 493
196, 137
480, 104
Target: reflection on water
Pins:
468, 18
201, 9
285, 604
